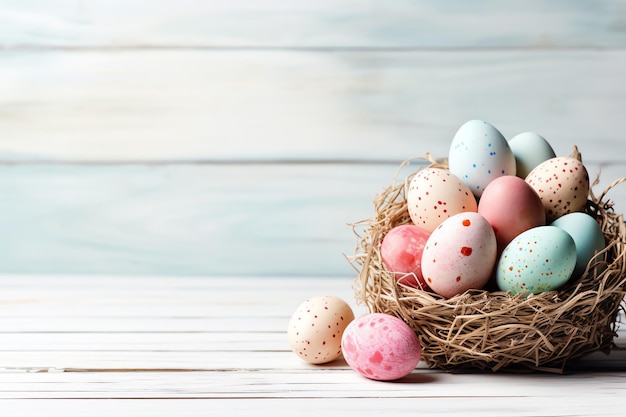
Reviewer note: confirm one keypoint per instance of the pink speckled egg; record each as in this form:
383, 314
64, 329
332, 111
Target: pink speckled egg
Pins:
381, 347
459, 255
316, 327
436, 194
401, 252
562, 183
511, 206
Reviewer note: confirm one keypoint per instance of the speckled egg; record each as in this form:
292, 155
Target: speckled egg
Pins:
511, 206
479, 154
401, 251
459, 255
540, 259
381, 347
436, 194
587, 235
530, 150
562, 183
316, 327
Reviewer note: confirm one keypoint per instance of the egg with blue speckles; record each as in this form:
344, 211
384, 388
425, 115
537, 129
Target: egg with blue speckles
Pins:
479, 154
587, 235
530, 150
538, 260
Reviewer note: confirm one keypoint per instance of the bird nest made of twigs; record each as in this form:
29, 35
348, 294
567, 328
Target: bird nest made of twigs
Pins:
493, 329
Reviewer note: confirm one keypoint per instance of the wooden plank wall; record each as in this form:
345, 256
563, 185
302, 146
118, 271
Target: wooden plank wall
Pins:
240, 137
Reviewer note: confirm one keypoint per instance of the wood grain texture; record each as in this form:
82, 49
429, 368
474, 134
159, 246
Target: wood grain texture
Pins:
241, 137
182, 106
190, 219
307, 407
204, 219
344, 23
170, 343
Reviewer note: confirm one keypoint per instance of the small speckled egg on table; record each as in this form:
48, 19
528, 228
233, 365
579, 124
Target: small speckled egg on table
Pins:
316, 327
381, 347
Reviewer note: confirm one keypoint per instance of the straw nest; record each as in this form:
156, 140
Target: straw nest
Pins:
496, 330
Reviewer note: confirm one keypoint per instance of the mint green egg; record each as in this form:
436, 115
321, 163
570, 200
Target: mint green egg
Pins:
587, 235
530, 150
538, 260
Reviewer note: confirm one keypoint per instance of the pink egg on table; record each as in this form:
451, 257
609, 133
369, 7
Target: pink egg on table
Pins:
381, 347
511, 206
401, 251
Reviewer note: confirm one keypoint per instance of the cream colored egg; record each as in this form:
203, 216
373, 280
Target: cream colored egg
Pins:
562, 183
316, 328
435, 195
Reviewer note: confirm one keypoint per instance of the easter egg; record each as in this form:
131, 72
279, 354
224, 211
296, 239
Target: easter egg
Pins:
479, 154
316, 327
562, 183
530, 150
587, 235
434, 195
381, 347
511, 206
401, 251
540, 259
459, 255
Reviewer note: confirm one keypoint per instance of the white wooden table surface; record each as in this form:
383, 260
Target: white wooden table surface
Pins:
163, 346
176, 177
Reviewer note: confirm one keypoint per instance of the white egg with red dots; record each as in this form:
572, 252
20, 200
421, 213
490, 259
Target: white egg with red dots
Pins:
316, 327
459, 255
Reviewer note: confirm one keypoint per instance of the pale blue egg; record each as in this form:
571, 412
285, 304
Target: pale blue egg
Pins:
530, 150
587, 235
479, 154
539, 259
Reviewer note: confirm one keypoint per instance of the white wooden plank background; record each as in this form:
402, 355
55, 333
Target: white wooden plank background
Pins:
324, 23
203, 219
131, 161
205, 105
